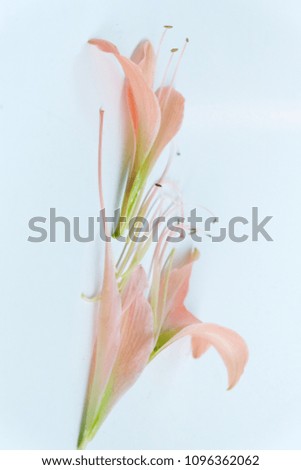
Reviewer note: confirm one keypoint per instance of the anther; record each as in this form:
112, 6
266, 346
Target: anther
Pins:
168, 26
174, 49
159, 185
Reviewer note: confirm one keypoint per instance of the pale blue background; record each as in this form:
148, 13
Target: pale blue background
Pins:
240, 147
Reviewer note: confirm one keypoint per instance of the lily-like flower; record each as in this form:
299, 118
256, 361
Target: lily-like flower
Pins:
138, 317
129, 334
155, 117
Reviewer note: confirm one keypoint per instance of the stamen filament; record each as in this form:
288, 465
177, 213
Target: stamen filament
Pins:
179, 62
166, 71
174, 74
100, 191
166, 28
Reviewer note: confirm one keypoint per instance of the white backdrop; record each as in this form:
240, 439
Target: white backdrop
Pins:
240, 146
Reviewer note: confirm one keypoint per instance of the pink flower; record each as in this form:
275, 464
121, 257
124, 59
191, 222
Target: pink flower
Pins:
129, 333
137, 319
155, 117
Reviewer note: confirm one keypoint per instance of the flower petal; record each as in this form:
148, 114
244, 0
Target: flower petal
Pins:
231, 347
179, 284
137, 342
137, 283
136, 345
106, 347
178, 319
172, 112
143, 103
144, 56
105, 46
171, 310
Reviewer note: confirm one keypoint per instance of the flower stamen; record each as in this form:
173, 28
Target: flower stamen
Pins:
179, 62
166, 28
167, 68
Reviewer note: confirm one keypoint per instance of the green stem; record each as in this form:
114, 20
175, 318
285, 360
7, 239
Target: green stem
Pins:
132, 198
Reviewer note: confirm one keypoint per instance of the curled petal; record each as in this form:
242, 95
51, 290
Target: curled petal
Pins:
144, 56
179, 285
177, 319
231, 347
172, 112
105, 46
198, 346
142, 102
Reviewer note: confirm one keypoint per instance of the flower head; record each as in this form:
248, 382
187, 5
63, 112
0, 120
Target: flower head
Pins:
155, 117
